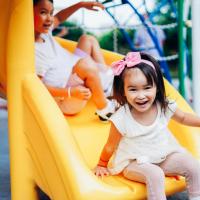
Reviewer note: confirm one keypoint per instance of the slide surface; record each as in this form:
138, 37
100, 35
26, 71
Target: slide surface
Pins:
49, 150
90, 134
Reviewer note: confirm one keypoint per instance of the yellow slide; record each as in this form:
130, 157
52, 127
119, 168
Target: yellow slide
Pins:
47, 149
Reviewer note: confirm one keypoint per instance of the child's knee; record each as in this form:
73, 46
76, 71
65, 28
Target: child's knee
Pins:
152, 175
88, 38
85, 69
155, 176
88, 64
193, 169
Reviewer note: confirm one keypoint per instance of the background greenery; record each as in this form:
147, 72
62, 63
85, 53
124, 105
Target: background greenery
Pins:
166, 16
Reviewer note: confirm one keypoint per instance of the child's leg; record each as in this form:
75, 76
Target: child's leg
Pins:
70, 106
86, 70
184, 164
90, 45
150, 174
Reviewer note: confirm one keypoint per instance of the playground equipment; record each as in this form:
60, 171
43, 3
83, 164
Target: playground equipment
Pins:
196, 57
180, 17
111, 4
188, 72
51, 151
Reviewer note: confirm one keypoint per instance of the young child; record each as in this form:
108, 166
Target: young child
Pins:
71, 78
144, 149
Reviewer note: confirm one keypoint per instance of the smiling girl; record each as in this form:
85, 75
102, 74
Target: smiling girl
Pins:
144, 148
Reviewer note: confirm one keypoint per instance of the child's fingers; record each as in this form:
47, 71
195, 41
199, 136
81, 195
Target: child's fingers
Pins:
98, 5
98, 174
101, 172
87, 94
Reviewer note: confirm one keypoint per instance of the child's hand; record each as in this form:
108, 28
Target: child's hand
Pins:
92, 5
101, 171
81, 92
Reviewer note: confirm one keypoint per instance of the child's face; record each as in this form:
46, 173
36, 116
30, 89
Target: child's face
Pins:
139, 94
43, 16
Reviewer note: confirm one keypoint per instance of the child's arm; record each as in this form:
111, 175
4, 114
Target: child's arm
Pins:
109, 148
65, 13
79, 92
186, 118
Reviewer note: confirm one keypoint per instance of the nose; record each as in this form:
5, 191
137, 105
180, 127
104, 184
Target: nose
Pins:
49, 17
141, 95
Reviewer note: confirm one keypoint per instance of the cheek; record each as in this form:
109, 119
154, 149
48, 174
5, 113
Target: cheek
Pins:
154, 93
130, 96
125, 92
36, 20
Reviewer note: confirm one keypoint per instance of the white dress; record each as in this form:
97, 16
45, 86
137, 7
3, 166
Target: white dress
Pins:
53, 62
145, 144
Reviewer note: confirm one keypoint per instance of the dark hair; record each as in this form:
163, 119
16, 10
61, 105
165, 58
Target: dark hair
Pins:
35, 2
152, 76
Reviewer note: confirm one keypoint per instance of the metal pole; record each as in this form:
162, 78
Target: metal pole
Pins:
181, 48
195, 54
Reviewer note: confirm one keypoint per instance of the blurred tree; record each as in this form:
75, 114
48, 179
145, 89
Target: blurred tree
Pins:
74, 31
106, 41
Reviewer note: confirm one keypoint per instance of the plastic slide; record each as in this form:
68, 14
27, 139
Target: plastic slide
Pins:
49, 150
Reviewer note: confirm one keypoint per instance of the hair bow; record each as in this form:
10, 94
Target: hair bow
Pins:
131, 59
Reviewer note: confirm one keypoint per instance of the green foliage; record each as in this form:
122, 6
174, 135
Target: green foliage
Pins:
74, 30
73, 34
106, 41
163, 17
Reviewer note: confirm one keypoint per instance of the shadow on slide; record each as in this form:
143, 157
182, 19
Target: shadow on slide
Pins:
49, 150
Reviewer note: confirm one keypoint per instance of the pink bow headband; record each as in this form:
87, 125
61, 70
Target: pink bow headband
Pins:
131, 59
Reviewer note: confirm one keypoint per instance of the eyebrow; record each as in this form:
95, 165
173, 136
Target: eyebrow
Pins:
133, 86
46, 9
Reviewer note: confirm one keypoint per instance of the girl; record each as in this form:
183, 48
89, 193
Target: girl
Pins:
145, 150
70, 78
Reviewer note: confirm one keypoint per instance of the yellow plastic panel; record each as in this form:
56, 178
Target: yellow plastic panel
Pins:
4, 16
47, 149
91, 135
63, 155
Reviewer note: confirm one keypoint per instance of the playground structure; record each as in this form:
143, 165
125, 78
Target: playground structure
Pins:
180, 15
49, 150
181, 20
148, 27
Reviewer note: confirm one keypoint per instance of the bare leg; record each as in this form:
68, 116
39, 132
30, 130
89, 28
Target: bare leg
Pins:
90, 45
86, 70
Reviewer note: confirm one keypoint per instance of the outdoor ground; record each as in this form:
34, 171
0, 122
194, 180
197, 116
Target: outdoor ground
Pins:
4, 163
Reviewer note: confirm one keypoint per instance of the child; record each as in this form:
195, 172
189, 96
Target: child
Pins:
145, 150
71, 78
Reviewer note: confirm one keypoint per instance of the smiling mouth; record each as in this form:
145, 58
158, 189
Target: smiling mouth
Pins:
47, 25
141, 103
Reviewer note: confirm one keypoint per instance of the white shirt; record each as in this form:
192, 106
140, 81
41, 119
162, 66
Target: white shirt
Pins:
145, 144
53, 62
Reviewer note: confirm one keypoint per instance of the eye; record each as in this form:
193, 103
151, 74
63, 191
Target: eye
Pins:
132, 89
148, 87
43, 12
